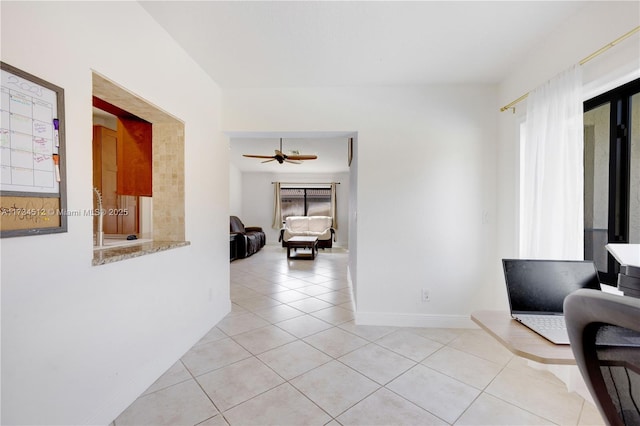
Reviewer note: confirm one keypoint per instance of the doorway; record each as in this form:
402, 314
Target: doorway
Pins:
611, 175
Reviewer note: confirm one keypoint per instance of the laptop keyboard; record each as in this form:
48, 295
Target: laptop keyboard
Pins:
544, 322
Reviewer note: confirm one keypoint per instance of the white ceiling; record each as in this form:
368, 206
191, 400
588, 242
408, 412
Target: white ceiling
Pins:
246, 44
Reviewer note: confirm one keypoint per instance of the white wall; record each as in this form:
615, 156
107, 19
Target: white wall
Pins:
80, 343
235, 191
426, 189
257, 200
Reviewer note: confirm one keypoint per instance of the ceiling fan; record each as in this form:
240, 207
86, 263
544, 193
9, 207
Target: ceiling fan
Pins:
281, 157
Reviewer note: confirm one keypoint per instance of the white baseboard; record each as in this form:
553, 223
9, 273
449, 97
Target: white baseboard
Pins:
414, 320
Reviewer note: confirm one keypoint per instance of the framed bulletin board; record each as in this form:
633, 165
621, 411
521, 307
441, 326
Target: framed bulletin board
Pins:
32, 155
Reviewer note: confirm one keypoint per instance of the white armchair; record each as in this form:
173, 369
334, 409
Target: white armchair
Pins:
309, 226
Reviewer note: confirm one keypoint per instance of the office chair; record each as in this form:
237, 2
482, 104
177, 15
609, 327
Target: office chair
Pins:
604, 331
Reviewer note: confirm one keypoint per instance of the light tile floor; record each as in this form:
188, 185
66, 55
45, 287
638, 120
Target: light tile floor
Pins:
289, 353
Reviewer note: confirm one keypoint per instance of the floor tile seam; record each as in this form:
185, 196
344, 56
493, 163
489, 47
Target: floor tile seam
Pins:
304, 372
542, 415
275, 347
209, 418
332, 356
329, 290
350, 332
480, 390
226, 366
318, 294
485, 358
325, 275
533, 413
334, 303
195, 376
199, 343
412, 331
502, 367
231, 407
254, 310
342, 412
321, 282
414, 404
304, 337
274, 323
145, 393
395, 351
488, 392
336, 325
231, 336
365, 338
357, 402
259, 296
392, 351
290, 301
196, 382
311, 401
288, 381
208, 397
361, 373
236, 317
235, 299
371, 378
467, 407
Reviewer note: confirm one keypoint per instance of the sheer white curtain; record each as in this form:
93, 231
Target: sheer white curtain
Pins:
552, 224
277, 207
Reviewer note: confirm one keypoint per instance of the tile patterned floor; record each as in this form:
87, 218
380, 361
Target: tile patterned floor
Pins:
289, 353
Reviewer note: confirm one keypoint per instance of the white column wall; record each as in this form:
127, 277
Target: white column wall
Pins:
425, 188
81, 342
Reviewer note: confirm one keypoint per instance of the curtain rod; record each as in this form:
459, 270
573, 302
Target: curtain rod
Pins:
582, 62
307, 183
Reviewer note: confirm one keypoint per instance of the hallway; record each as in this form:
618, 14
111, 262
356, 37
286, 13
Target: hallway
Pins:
289, 353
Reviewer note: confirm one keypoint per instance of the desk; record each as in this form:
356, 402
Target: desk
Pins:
628, 255
522, 341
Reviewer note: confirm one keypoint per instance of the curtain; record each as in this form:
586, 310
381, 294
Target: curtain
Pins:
552, 216
334, 209
277, 207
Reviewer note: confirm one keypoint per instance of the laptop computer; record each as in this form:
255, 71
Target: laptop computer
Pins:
536, 290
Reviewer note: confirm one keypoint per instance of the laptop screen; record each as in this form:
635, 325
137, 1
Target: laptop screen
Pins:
540, 286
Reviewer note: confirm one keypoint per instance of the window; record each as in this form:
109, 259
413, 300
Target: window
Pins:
612, 175
305, 202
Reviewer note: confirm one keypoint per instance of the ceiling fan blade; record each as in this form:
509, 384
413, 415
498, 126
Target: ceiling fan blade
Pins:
302, 157
292, 162
268, 161
257, 156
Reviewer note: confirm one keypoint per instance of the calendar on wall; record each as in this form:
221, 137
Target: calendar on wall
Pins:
32, 160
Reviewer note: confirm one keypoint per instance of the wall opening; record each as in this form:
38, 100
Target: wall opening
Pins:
167, 198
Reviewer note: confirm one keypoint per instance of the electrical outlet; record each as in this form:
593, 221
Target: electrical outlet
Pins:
425, 295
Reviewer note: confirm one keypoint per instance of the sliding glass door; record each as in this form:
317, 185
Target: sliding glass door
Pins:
612, 175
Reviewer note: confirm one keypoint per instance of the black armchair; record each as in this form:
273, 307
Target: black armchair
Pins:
604, 330
249, 240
